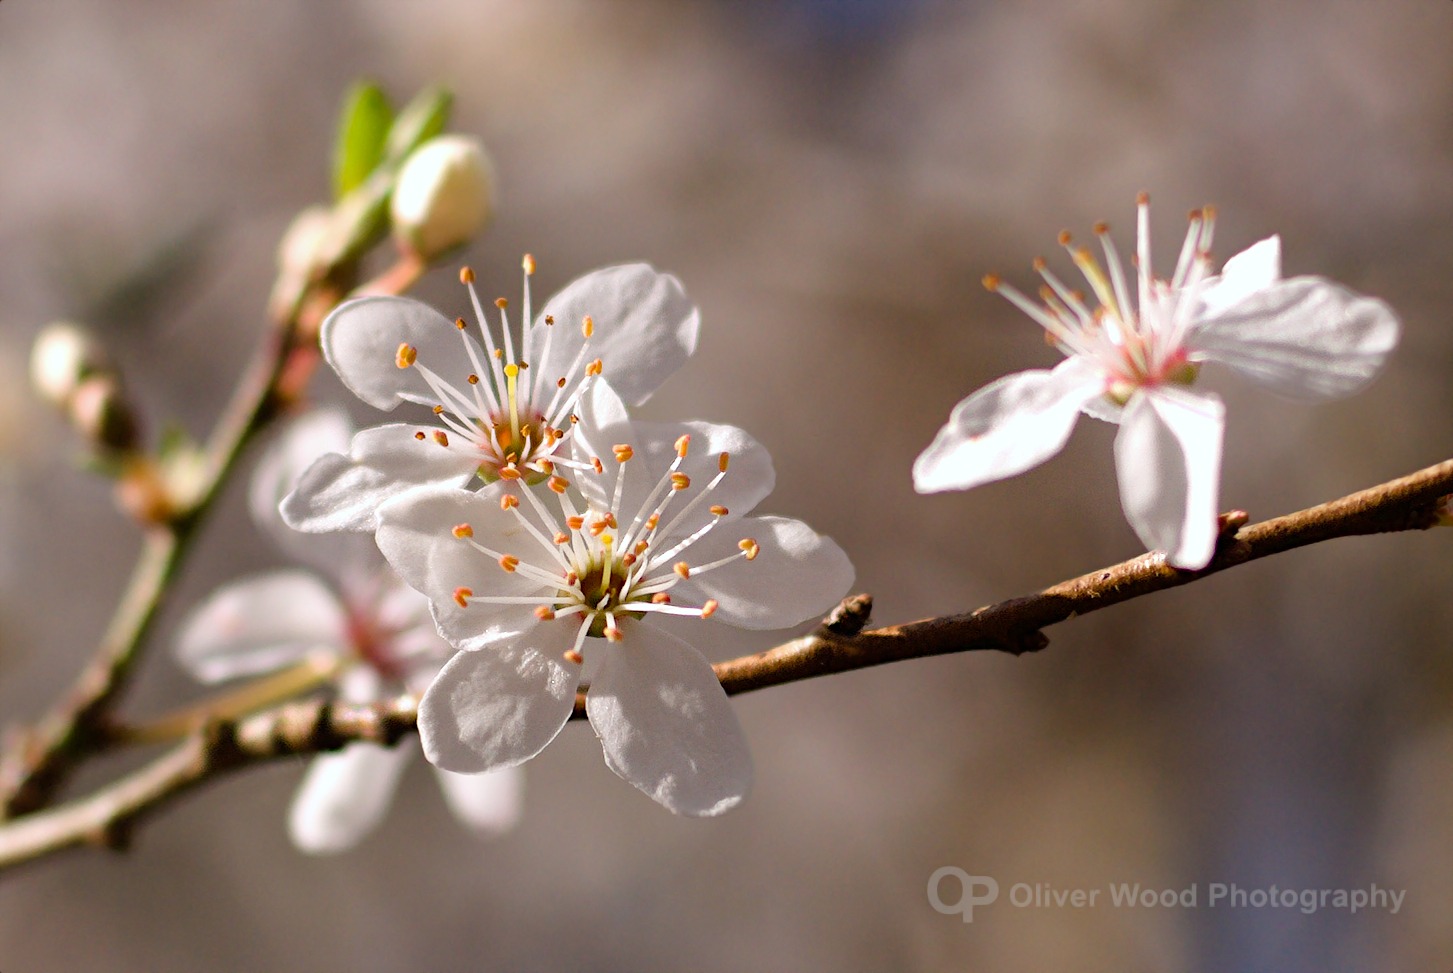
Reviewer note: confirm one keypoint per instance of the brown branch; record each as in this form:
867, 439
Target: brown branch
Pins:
838, 645
109, 817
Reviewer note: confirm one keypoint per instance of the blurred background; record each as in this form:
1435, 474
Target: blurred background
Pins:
830, 179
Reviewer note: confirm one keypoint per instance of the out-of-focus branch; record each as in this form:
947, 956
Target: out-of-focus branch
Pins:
40, 759
108, 817
840, 644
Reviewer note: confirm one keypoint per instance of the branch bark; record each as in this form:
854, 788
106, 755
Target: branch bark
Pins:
109, 816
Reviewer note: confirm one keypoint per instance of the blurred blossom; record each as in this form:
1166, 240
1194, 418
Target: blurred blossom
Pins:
364, 623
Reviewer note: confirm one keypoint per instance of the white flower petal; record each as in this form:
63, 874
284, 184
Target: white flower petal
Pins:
1168, 459
1305, 336
797, 574
344, 492
645, 327
488, 803
345, 795
1007, 427
1253, 269
603, 424
261, 624
291, 452
498, 707
361, 341
665, 724
303, 441
416, 535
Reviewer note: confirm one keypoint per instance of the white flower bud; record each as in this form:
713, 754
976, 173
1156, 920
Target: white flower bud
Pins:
444, 195
297, 254
100, 412
61, 358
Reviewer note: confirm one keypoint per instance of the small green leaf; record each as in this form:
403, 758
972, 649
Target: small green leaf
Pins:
420, 120
363, 130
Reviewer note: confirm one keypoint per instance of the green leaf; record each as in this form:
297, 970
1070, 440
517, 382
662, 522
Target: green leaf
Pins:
420, 120
363, 130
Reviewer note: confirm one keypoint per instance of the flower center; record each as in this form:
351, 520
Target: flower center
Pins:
602, 567
1135, 339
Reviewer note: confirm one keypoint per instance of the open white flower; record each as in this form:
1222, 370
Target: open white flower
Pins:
503, 406
1133, 361
367, 625
607, 585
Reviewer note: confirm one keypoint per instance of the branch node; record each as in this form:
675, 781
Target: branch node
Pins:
850, 616
1022, 643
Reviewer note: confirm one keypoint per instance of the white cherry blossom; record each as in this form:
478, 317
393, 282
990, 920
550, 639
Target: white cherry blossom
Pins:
1133, 358
503, 404
361, 622
606, 584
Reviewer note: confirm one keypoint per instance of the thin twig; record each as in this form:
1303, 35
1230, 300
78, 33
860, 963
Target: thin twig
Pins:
108, 816
37, 766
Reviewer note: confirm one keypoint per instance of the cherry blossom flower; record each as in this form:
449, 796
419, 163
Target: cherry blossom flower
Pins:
607, 583
1133, 362
365, 624
504, 405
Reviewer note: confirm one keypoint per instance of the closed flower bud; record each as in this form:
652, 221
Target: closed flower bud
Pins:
63, 356
299, 252
100, 412
444, 195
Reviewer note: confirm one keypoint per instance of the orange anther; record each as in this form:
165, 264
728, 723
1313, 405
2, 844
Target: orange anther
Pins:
709, 609
680, 481
587, 326
463, 530
529, 264
559, 484
509, 562
750, 548
466, 275
682, 568
509, 501
575, 522
623, 452
462, 596
441, 437
682, 444
660, 598
406, 355
544, 612
595, 367
718, 510
573, 656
